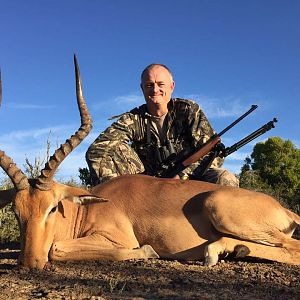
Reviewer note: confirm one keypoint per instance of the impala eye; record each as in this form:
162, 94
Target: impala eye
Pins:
53, 210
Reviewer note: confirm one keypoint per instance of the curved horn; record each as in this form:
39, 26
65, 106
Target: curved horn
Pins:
44, 181
17, 177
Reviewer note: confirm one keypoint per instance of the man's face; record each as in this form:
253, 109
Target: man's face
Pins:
157, 85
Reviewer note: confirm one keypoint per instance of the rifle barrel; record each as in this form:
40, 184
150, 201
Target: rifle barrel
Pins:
253, 107
266, 127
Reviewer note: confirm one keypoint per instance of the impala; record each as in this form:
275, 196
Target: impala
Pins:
137, 216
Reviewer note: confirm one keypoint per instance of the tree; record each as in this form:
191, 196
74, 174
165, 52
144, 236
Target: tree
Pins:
275, 167
33, 170
84, 176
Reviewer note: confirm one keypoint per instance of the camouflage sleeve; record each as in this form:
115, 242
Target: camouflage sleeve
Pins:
202, 131
110, 155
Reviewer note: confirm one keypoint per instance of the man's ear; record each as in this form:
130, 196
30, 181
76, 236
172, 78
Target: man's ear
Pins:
141, 85
173, 85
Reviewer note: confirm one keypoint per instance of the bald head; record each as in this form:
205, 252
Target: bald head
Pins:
151, 66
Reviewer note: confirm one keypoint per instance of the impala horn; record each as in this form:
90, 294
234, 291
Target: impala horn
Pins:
44, 181
17, 177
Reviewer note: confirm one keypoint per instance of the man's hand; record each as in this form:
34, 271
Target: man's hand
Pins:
181, 176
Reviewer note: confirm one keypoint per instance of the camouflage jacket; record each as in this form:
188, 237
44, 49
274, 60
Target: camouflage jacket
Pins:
132, 144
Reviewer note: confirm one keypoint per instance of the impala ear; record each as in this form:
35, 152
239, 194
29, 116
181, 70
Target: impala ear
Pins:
62, 209
87, 199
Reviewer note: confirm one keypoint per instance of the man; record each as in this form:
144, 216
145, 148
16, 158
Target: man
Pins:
140, 140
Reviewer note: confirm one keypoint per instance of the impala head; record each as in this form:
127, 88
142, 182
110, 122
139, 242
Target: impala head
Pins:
35, 202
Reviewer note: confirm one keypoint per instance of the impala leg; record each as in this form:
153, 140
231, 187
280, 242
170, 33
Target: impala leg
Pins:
97, 248
225, 245
212, 252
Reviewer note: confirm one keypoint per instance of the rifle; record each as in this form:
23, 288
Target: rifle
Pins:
212, 148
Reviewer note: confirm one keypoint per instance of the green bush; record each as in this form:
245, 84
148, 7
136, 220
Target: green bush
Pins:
274, 168
85, 176
9, 229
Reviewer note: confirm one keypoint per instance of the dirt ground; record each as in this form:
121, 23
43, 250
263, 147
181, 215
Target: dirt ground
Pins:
152, 279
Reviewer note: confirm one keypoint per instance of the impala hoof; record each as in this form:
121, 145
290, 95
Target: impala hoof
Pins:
210, 262
149, 252
211, 257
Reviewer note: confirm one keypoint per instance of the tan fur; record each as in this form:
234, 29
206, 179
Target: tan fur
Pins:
148, 217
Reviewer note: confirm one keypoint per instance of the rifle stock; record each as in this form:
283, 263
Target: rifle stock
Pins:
204, 150
174, 167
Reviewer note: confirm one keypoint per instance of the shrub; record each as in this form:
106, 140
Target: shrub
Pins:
9, 229
274, 168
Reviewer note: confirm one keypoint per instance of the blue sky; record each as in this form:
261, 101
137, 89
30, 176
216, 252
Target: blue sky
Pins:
226, 55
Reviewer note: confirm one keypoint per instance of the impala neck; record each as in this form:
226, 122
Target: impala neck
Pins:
69, 219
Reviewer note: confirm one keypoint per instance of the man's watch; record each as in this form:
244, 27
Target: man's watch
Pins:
183, 176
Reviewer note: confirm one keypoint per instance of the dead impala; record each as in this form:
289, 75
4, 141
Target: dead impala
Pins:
143, 217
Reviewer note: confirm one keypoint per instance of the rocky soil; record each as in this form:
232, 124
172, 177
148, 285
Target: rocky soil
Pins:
152, 279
